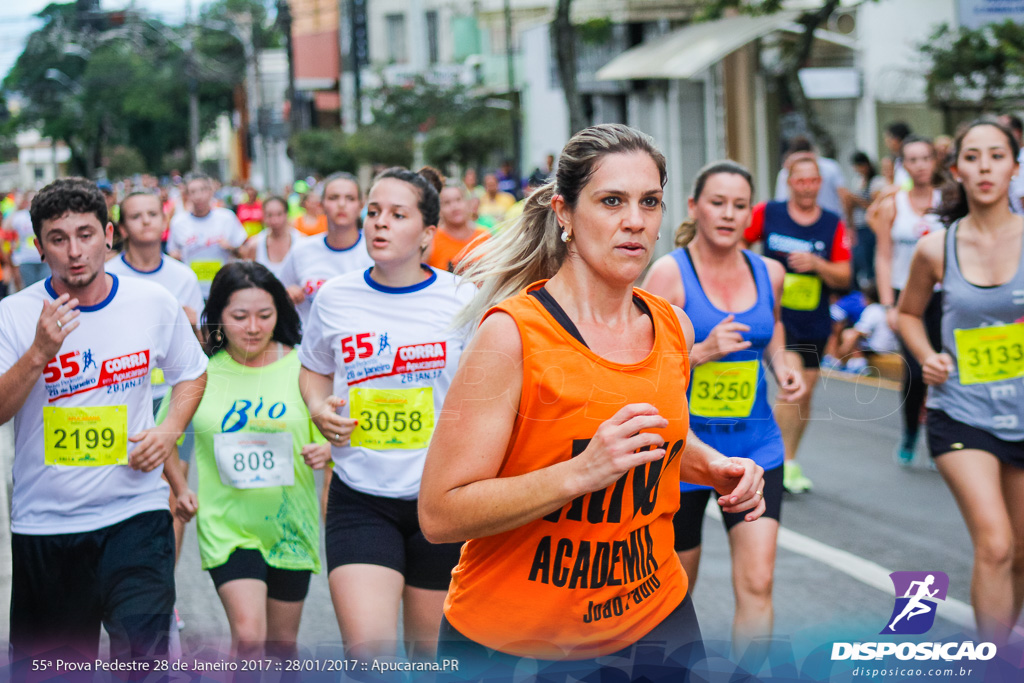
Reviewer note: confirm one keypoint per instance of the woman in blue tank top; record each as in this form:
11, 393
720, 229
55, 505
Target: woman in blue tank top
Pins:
976, 395
731, 295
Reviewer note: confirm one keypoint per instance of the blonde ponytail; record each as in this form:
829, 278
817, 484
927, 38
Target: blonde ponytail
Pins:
686, 231
526, 250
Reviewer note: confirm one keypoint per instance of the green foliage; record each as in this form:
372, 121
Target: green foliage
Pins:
459, 125
125, 161
377, 144
595, 31
327, 151
716, 9
983, 67
128, 86
458, 128
322, 151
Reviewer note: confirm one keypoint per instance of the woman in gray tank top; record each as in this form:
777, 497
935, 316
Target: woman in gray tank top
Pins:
976, 395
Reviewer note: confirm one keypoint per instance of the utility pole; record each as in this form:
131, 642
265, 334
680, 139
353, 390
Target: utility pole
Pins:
347, 70
284, 16
253, 90
193, 87
513, 95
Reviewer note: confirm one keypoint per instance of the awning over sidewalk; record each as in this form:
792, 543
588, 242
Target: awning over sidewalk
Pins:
686, 52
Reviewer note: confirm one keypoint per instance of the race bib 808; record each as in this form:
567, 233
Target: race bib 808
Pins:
253, 460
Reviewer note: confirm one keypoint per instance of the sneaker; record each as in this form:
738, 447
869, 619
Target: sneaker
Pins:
856, 366
904, 454
178, 620
793, 479
830, 363
904, 457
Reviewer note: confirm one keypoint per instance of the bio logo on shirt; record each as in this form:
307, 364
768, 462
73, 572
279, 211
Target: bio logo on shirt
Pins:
238, 415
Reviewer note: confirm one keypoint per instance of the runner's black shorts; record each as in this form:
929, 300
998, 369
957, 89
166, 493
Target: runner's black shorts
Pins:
64, 586
689, 519
672, 651
367, 529
286, 585
811, 351
946, 434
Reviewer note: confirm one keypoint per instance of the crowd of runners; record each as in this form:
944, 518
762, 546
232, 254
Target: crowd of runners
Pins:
520, 442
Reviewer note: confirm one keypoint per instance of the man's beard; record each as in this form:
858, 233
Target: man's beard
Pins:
82, 281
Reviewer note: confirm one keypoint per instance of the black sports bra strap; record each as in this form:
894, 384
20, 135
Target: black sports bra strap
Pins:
562, 318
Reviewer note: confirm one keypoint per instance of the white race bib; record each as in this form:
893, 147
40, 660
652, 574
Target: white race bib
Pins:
253, 460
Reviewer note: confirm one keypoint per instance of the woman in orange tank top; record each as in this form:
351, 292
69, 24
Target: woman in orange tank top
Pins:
565, 434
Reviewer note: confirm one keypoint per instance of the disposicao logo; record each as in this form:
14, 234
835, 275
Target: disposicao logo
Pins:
917, 596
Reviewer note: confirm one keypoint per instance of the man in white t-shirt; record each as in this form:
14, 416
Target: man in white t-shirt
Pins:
91, 537
29, 267
832, 182
206, 237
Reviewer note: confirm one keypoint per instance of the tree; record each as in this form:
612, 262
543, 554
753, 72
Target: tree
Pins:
120, 81
795, 56
458, 127
975, 68
563, 37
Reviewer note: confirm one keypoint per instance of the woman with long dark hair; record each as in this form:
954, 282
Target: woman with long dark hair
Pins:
901, 220
378, 356
259, 531
975, 412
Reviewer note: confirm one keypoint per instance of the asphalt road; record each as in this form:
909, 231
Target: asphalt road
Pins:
865, 518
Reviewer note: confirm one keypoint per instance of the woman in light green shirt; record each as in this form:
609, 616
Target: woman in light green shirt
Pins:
256, 448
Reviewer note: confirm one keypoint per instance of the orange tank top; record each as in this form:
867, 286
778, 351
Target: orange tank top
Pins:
601, 572
447, 251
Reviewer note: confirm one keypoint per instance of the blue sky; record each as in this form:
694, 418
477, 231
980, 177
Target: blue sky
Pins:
17, 21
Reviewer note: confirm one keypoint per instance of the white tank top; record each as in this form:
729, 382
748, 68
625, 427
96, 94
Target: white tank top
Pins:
907, 228
263, 257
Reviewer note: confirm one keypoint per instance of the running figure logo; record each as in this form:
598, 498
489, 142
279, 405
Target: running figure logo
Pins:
917, 594
384, 343
87, 361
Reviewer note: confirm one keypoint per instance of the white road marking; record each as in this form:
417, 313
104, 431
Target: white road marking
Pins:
865, 571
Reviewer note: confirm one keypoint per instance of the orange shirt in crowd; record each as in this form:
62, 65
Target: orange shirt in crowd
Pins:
447, 251
601, 572
311, 229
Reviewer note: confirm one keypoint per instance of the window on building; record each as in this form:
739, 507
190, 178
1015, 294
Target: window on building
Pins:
432, 39
397, 52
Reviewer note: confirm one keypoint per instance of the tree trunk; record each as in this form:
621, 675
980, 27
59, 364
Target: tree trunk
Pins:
563, 37
791, 79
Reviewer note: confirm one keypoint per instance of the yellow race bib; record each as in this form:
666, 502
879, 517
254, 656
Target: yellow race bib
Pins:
724, 389
990, 354
86, 437
392, 418
206, 270
801, 292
